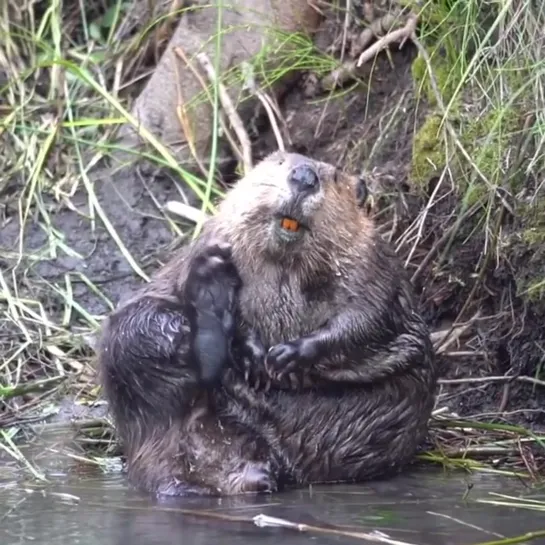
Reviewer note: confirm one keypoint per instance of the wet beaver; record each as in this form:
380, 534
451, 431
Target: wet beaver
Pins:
289, 278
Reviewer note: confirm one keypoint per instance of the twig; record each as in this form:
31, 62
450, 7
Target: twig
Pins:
378, 537
513, 540
477, 380
348, 69
236, 150
268, 104
263, 521
484, 450
71, 425
347, 17
231, 112
7, 392
382, 25
463, 523
265, 100
185, 211
445, 338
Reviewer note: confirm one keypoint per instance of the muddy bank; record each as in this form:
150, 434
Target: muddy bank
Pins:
370, 127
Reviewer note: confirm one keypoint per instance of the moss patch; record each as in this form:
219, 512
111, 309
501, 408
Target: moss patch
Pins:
485, 130
487, 141
443, 74
428, 151
528, 247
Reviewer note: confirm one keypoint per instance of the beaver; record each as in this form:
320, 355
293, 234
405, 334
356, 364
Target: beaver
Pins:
290, 278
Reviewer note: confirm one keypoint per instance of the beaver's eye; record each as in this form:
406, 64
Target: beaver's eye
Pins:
361, 191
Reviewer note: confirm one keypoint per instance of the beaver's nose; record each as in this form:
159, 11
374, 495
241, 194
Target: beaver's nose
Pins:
304, 179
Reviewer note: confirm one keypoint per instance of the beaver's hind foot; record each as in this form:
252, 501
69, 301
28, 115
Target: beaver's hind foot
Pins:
251, 477
256, 477
177, 488
210, 300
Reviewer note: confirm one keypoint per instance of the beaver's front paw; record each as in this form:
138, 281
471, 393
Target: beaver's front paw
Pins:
252, 353
292, 357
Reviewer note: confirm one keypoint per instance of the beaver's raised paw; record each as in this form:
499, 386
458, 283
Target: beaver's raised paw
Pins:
209, 300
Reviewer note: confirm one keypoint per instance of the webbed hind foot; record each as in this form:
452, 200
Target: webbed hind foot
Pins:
210, 305
252, 477
177, 488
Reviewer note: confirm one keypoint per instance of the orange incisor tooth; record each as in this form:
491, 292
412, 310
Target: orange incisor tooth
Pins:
289, 224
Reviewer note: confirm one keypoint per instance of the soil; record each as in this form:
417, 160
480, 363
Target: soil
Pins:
352, 131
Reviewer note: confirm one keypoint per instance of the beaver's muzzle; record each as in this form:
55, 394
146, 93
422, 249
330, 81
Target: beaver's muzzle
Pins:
304, 180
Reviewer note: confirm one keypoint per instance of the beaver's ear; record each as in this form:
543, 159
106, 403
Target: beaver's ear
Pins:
361, 191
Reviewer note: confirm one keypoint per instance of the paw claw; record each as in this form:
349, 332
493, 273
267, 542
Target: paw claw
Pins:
282, 359
294, 382
252, 353
290, 361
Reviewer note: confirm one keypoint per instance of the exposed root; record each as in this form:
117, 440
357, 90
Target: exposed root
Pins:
400, 36
349, 68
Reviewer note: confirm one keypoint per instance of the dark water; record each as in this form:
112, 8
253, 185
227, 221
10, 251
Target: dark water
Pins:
425, 507
418, 508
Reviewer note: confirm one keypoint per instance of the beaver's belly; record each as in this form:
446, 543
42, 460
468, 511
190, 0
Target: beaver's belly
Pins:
279, 311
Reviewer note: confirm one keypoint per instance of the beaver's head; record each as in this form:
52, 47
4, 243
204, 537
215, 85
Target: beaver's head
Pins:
291, 207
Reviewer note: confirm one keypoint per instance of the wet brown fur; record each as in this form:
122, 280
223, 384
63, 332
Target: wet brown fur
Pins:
338, 299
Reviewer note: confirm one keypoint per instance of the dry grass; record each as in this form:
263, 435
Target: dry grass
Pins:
66, 74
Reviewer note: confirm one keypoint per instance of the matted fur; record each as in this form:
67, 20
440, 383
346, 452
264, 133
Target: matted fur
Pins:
336, 306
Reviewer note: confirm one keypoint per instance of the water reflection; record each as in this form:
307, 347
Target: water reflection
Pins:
422, 507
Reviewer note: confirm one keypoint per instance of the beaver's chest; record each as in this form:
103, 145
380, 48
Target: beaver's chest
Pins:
281, 309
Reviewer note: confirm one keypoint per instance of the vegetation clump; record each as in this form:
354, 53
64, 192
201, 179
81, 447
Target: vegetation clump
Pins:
480, 71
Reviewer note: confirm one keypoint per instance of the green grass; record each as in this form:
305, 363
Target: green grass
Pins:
481, 68
67, 88
479, 77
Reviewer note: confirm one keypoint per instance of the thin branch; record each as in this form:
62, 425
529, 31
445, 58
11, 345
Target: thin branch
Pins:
180, 53
476, 380
231, 112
